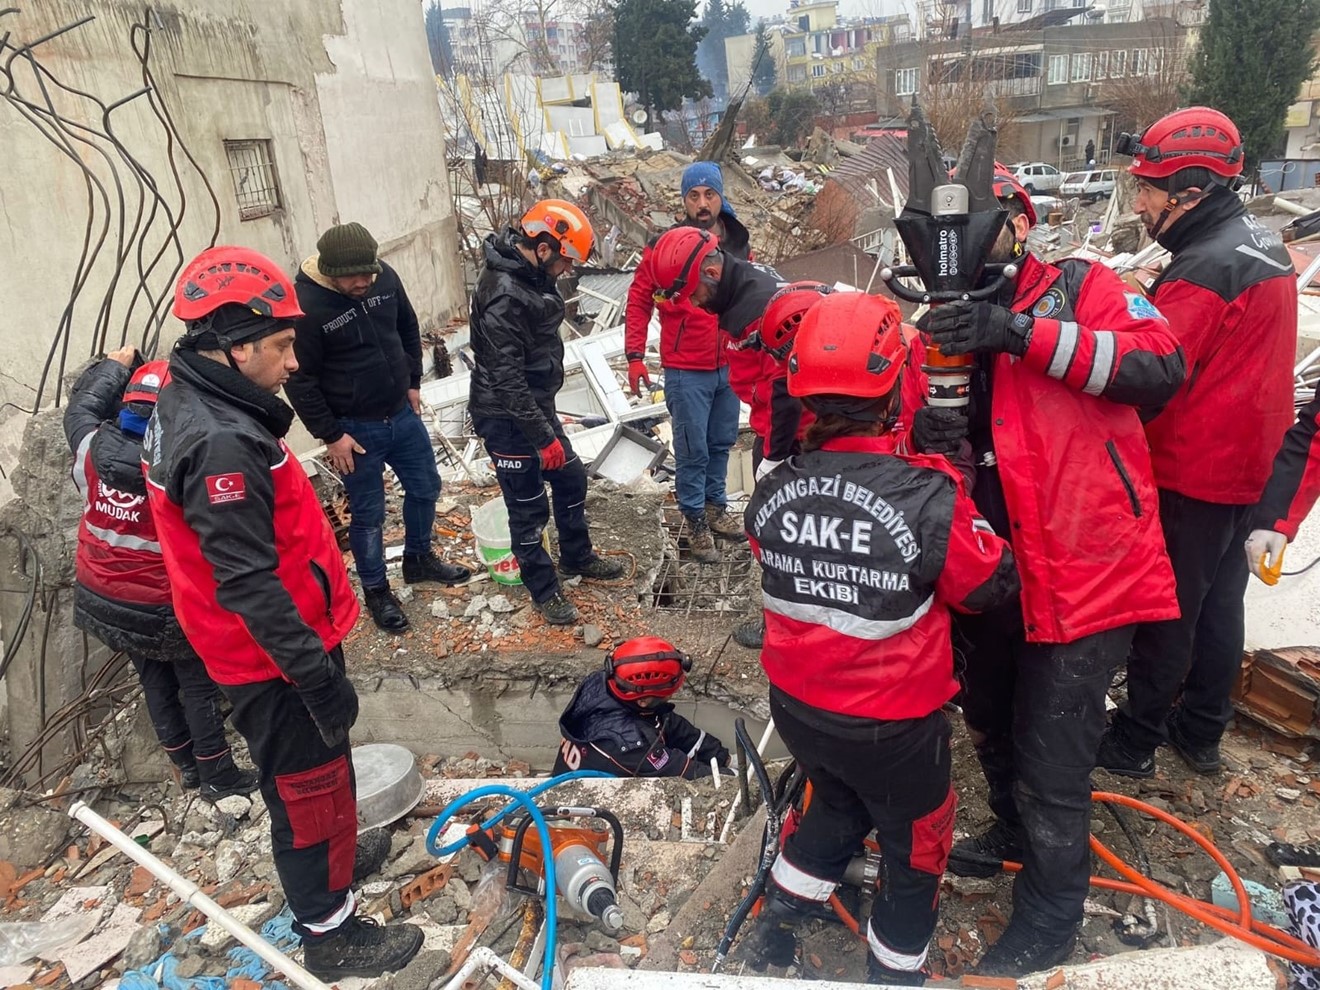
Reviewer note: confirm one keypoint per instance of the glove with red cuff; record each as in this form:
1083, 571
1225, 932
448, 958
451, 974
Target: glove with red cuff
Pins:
552, 456
637, 373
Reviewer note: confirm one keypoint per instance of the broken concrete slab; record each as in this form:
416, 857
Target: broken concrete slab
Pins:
111, 938
28, 834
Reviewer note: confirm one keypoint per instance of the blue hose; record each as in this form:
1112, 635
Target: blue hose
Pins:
520, 800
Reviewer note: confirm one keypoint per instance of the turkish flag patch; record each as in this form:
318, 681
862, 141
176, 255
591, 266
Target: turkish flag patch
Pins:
226, 487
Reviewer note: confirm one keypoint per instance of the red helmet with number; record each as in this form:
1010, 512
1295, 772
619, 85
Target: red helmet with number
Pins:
147, 381
783, 315
1008, 187
223, 275
1195, 137
676, 261
645, 667
850, 343
563, 221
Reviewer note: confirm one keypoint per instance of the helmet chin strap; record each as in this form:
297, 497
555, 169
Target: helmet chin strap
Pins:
1183, 198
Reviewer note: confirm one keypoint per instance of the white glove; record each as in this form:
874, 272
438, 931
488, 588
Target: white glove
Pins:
766, 467
1265, 554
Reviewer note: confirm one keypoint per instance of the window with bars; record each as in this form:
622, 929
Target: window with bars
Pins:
256, 184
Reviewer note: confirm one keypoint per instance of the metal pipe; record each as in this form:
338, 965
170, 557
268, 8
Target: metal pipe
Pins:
483, 957
190, 893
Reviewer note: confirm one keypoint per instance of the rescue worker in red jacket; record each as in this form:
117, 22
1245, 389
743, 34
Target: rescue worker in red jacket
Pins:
621, 721
260, 588
703, 409
1062, 362
1230, 294
1290, 494
864, 552
122, 593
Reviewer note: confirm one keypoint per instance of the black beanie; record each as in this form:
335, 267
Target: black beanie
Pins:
348, 249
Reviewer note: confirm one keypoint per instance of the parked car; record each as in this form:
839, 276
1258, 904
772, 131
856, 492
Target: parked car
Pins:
1089, 186
1037, 176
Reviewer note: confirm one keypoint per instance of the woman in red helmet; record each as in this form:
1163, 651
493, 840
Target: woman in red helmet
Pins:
259, 587
863, 554
621, 721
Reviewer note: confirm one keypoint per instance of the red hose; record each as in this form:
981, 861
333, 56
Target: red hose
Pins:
1239, 924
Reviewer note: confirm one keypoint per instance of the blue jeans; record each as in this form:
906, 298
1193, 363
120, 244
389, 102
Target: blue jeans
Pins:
704, 412
402, 442
522, 482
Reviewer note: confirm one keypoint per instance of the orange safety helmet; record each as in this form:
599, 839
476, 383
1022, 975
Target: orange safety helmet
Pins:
563, 221
676, 261
1195, 137
783, 315
849, 344
147, 381
645, 667
223, 275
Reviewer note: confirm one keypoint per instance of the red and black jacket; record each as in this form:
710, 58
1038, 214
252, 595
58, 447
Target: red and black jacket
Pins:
1230, 296
690, 338
258, 580
600, 732
1294, 483
863, 552
1071, 453
122, 593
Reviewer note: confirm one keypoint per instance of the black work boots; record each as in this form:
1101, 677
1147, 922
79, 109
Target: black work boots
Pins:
1203, 758
557, 610
1118, 756
1024, 949
750, 633
884, 976
360, 947
385, 609
983, 854
222, 778
428, 567
774, 940
373, 848
595, 569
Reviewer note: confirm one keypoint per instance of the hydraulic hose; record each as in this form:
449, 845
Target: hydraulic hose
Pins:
523, 800
769, 846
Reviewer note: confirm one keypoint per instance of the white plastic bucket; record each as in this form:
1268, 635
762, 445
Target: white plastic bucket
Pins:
490, 529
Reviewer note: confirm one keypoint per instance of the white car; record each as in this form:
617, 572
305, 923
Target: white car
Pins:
1089, 186
1037, 176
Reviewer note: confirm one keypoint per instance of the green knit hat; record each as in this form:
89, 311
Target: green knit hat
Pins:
348, 249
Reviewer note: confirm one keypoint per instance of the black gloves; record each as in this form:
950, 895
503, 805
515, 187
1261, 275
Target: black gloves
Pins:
333, 704
939, 430
977, 327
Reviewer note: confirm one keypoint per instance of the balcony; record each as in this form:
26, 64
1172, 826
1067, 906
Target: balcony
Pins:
1025, 86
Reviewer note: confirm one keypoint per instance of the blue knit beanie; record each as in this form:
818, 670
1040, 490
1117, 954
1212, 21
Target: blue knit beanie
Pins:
707, 174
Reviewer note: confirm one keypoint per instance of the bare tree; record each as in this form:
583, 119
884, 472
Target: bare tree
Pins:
1141, 93
961, 86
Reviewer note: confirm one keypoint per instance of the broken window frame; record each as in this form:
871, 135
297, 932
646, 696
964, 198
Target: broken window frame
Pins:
267, 199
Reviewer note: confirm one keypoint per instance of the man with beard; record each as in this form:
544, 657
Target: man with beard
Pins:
357, 389
1063, 359
703, 408
1230, 295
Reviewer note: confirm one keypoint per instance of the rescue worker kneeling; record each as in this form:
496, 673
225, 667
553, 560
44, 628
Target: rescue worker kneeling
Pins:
863, 553
620, 720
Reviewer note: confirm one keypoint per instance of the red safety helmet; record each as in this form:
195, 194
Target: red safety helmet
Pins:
645, 667
676, 261
1195, 137
850, 343
147, 381
220, 276
784, 314
1007, 187
563, 221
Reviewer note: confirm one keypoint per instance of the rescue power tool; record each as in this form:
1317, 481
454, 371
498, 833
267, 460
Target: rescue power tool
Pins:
949, 226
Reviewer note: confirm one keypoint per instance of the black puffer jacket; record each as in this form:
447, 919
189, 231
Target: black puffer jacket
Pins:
602, 733
150, 631
516, 313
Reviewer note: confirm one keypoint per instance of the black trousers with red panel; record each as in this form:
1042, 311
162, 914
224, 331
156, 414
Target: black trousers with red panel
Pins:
892, 777
309, 792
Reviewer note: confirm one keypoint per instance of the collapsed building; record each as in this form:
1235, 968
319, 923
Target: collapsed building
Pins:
471, 695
